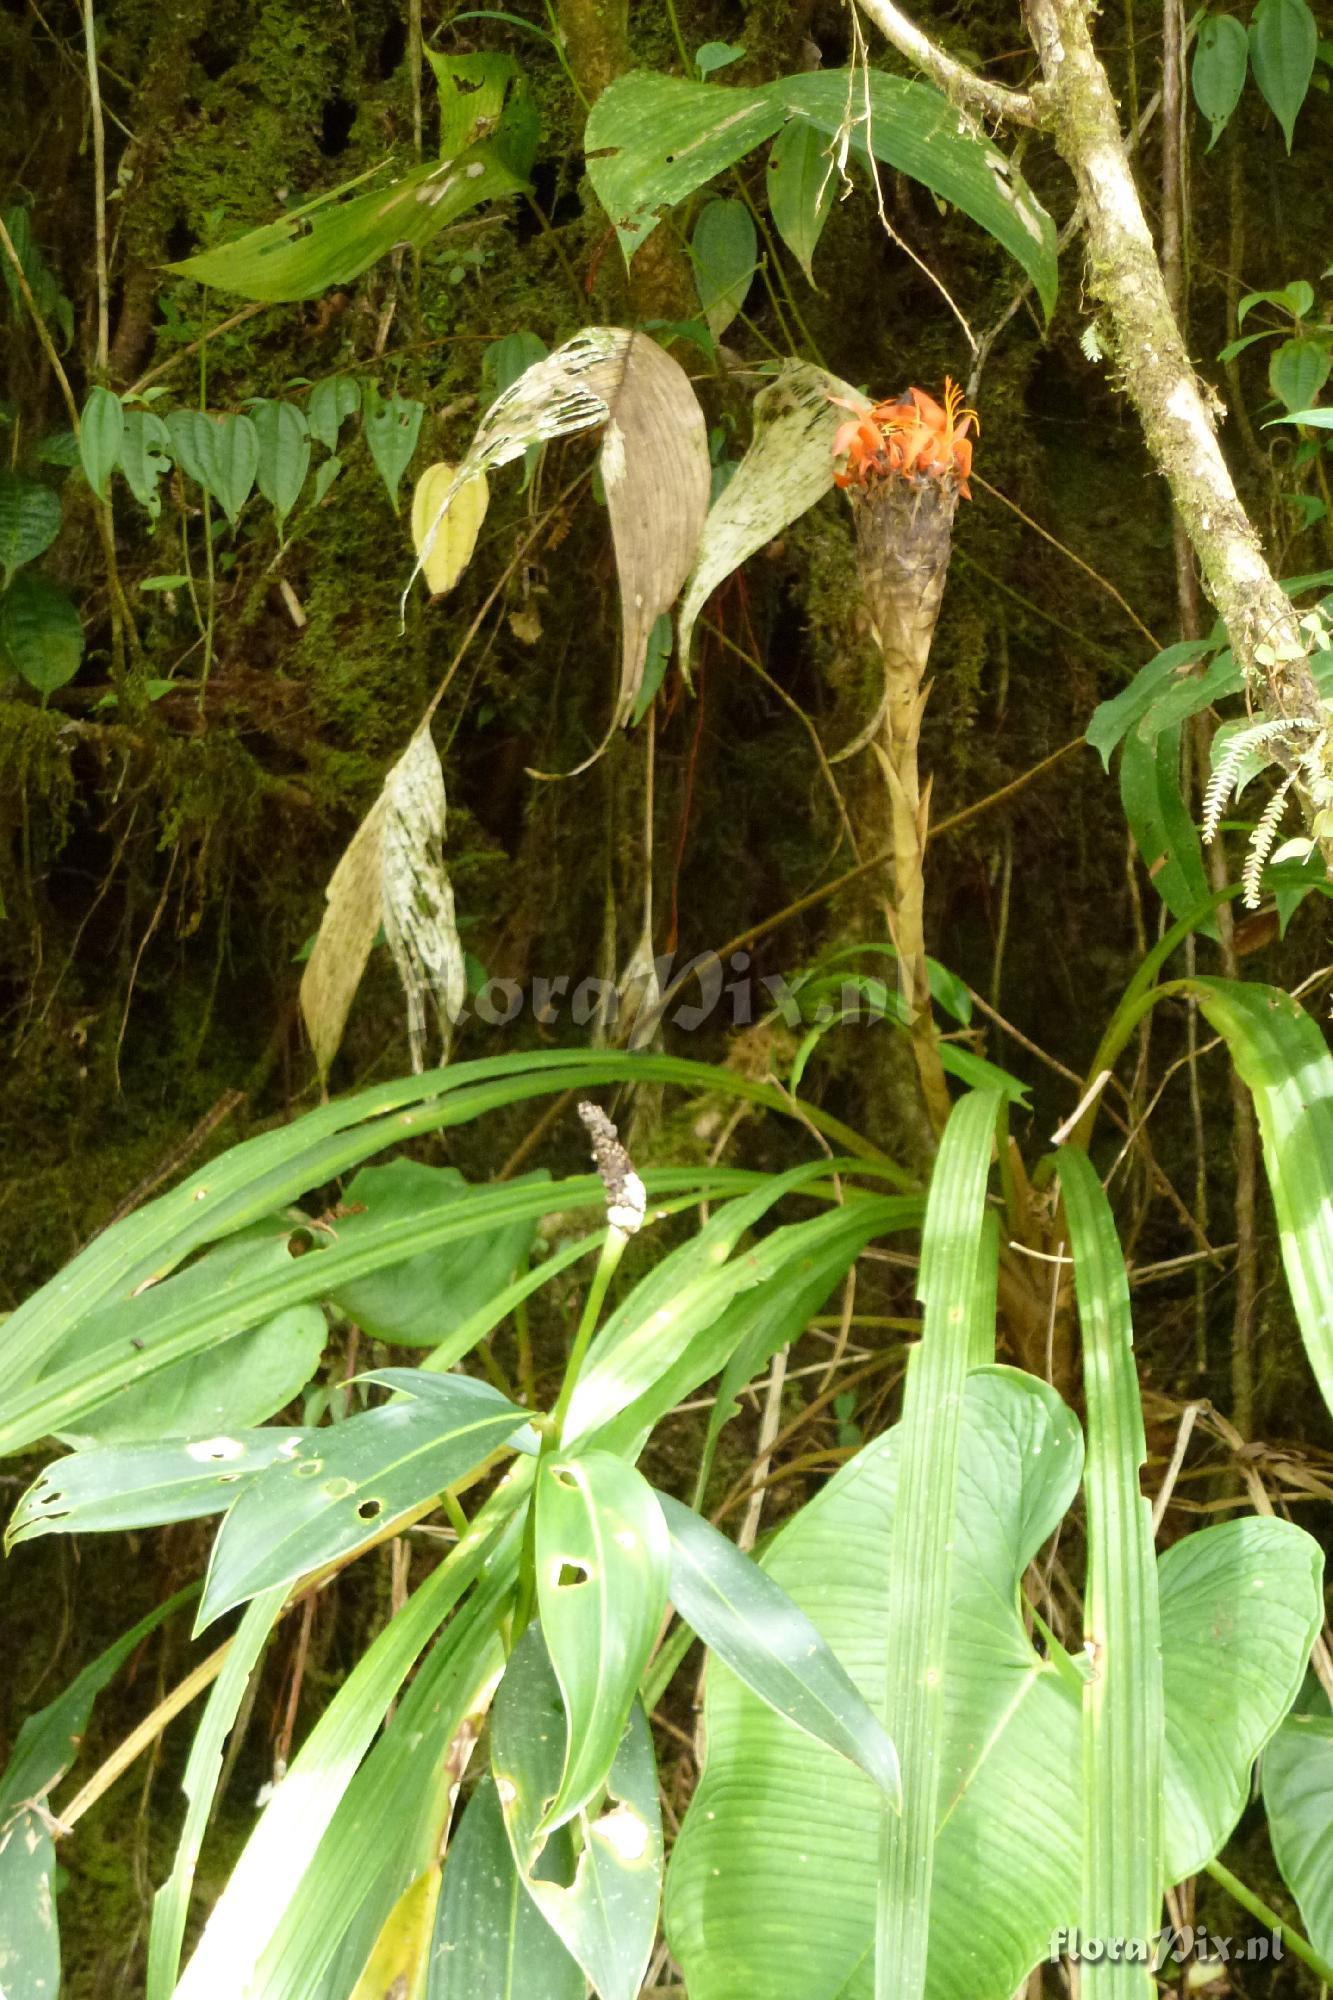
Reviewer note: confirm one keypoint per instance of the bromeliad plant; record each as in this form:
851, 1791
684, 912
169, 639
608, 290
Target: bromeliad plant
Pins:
917, 1774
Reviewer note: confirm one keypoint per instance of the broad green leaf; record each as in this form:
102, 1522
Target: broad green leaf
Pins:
712, 56
101, 428
1320, 420
1298, 370
284, 453
145, 455
332, 401
607, 1916
652, 140
1165, 835
344, 1485
490, 1937
1298, 1798
1113, 719
427, 1298
142, 1485
190, 432
1283, 43
1282, 1056
1247, 1593
234, 1382
1221, 57
509, 357
778, 1902
921, 1549
485, 96
1122, 1697
231, 456
392, 426
202, 1770
725, 252
40, 632
603, 1557
787, 467
1296, 298
749, 1623
801, 181
29, 520
330, 241
325, 477
268, 1878
390, 1823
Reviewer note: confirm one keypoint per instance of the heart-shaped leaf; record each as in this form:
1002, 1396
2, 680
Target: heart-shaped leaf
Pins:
284, 453
1284, 41
331, 403
801, 182
40, 632
392, 425
1221, 58
101, 428
725, 249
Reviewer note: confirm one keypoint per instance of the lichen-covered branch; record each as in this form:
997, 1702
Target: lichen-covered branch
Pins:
964, 86
1178, 417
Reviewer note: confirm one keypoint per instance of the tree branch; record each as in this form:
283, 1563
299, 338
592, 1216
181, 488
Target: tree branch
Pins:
962, 85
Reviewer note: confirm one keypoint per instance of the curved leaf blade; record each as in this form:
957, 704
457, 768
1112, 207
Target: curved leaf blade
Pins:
753, 1627
490, 1936
607, 1916
603, 1558
118, 1486
344, 1486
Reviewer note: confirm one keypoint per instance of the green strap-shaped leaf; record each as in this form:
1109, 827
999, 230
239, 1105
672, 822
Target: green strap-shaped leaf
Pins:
607, 1916
272, 1874
256, 1178
603, 1558
1122, 1698
921, 1549
490, 1937
330, 240
753, 1627
202, 1771
1283, 1058
344, 1485
652, 140
101, 428
143, 1485
29, 520
390, 1823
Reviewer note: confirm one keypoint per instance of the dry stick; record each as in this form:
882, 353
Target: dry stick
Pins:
99, 188
140, 1737
184, 353
1078, 561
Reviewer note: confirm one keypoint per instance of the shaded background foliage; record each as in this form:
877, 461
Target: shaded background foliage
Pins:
163, 860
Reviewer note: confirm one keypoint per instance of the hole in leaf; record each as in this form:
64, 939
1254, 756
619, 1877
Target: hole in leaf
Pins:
572, 1574
567, 1480
368, 1509
307, 1468
337, 1489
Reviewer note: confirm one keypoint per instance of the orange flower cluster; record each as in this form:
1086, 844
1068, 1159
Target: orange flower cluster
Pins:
913, 439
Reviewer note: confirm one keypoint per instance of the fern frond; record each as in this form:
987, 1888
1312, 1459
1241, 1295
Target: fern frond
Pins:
1262, 842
